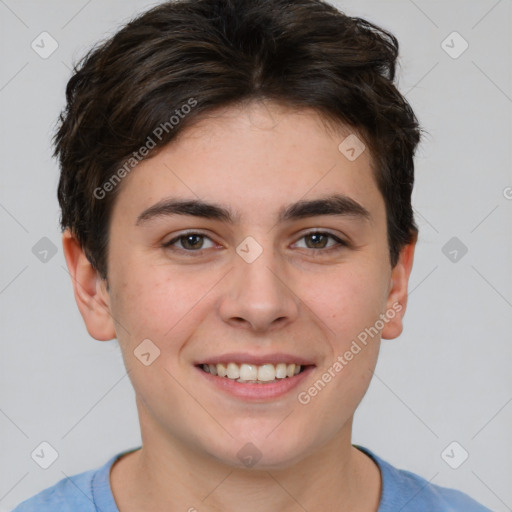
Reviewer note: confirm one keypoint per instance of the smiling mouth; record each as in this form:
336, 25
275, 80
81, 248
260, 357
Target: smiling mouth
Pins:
253, 374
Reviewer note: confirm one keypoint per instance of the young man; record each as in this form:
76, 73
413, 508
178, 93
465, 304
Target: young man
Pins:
236, 205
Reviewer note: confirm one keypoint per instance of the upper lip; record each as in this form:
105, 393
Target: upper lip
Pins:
258, 360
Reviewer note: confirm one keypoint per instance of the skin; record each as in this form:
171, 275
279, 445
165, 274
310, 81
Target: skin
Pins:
294, 298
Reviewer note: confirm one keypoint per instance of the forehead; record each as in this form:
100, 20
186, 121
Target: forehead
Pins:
255, 158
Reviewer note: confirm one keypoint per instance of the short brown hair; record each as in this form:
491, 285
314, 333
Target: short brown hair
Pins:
299, 53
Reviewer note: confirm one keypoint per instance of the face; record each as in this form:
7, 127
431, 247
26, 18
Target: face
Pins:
250, 246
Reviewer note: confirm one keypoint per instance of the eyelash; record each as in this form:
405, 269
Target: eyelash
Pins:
340, 244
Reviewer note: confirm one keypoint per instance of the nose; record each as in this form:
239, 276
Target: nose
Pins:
257, 295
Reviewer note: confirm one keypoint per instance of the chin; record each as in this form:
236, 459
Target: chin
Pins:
262, 451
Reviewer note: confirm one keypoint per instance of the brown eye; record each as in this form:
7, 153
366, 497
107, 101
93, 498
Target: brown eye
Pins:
320, 240
190, 242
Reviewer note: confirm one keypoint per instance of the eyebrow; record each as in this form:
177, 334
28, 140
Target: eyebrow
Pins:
337, 204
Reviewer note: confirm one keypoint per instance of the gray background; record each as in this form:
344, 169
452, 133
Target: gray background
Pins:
447, 378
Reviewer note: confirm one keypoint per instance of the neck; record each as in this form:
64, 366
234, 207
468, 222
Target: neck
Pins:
169, 476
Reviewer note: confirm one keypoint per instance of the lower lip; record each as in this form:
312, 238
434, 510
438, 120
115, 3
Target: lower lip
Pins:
257, 392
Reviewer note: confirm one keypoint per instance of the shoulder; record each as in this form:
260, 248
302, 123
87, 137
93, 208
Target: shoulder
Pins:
69, 494
84, 492
408, 492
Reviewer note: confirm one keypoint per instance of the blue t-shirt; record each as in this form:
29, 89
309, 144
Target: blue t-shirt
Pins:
401, 491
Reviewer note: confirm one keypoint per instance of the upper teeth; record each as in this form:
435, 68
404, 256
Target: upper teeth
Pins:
251, 372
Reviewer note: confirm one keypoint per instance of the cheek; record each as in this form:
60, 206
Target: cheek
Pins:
351, 305
150, 302
348, 300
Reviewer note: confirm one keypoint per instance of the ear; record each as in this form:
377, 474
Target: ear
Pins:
90, 290
397, 296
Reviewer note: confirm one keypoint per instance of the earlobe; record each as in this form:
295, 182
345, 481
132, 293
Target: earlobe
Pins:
89, 289
397, 297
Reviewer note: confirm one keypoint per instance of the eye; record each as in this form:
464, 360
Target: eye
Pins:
196, 242
190, 242
320, 240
